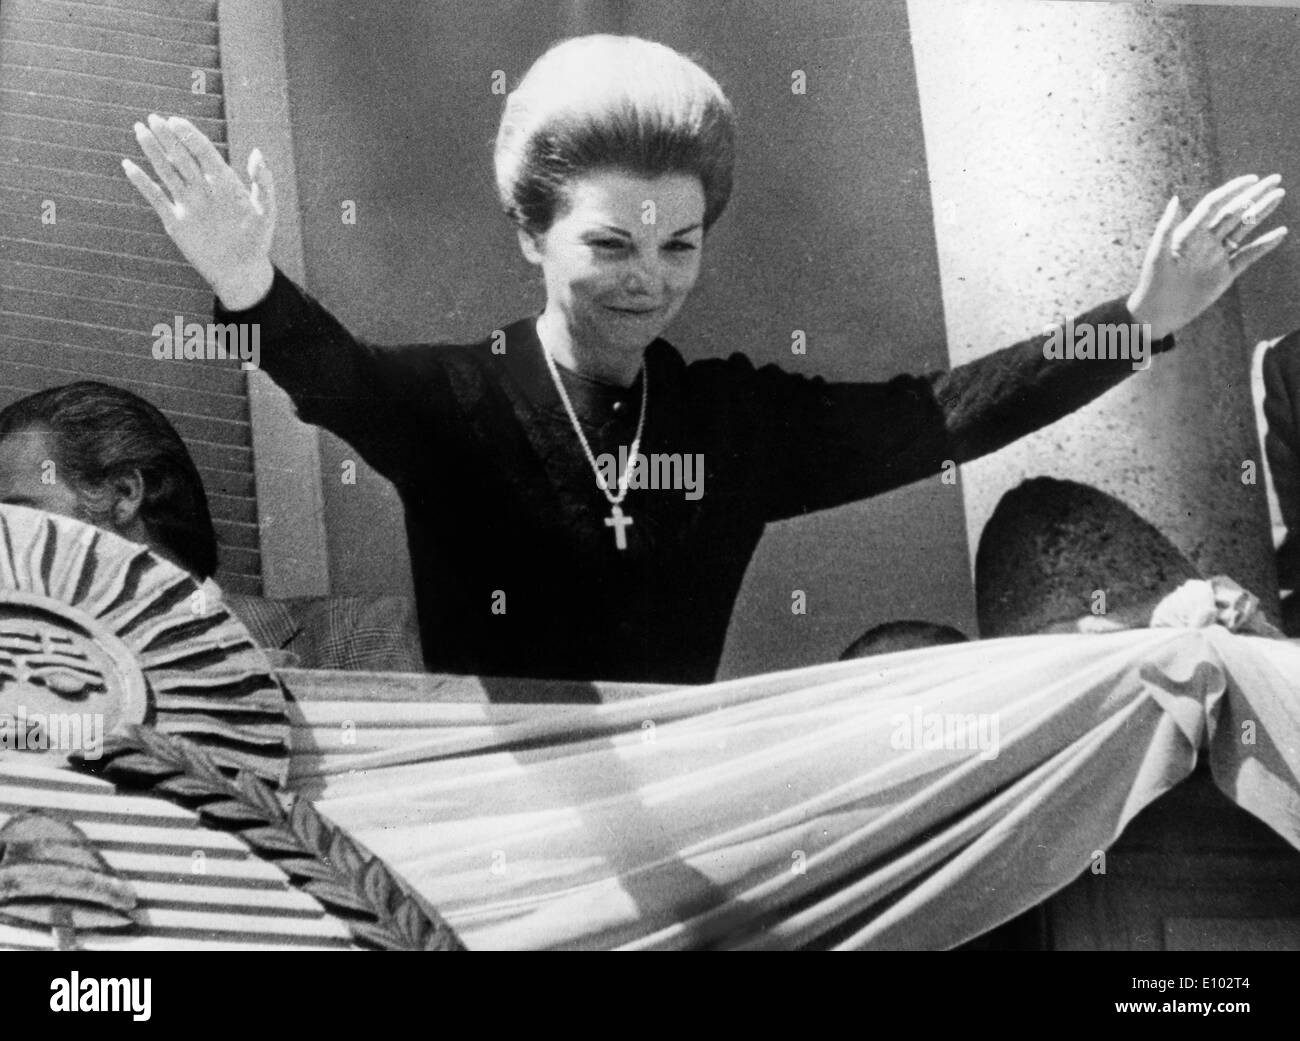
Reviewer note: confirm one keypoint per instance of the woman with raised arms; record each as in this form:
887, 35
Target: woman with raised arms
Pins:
614, 159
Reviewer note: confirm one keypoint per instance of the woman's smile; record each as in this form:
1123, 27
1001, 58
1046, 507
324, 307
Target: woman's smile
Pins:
614, 280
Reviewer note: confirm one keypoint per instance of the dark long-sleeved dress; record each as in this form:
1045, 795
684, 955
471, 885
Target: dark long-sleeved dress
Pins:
516, 572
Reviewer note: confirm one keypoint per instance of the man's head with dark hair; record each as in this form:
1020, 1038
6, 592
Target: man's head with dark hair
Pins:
108, 457
1060, 556
901, 636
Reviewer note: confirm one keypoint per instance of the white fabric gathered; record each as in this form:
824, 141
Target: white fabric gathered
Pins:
1214, 601
832, 806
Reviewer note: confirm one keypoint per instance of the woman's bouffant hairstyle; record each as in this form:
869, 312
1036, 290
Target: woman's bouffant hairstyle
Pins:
611, 102
102, 432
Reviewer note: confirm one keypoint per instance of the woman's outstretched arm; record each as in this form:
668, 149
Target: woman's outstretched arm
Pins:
1190, 262
384, 401
840, 442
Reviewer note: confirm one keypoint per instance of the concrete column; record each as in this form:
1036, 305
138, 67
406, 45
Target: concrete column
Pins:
1055, 134
286, 452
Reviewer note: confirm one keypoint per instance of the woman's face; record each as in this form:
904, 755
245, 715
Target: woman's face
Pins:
621, 257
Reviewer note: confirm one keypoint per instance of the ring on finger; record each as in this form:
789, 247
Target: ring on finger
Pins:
1240, 221
177, 165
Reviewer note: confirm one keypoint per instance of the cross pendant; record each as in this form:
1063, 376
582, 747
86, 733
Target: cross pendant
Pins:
618, 521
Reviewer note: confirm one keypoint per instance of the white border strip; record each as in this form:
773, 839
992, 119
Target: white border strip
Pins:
286, 452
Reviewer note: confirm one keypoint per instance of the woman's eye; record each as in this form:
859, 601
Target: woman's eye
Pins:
680, 247
607, 243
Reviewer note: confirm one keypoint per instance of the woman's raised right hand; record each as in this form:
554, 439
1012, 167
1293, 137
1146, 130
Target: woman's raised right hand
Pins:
222, 226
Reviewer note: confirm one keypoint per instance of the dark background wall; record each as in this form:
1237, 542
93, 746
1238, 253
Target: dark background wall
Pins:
830, 231
1253, 58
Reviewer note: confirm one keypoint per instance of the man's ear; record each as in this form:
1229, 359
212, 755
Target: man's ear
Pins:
530, 245
128, 499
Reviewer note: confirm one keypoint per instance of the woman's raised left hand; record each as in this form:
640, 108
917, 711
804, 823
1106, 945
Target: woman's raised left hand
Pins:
1191, 260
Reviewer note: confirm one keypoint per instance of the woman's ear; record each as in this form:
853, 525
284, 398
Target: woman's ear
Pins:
128, 499
530, 245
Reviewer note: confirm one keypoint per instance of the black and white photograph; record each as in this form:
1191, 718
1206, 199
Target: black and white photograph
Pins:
641, 475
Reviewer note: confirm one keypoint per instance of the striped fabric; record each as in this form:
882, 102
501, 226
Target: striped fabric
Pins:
198, 889
346, 720
85, 269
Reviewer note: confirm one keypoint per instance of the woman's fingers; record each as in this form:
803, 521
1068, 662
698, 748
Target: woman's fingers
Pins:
1252, 251
217, 221
1218, 219
203, 151
1164, 232
1200, 214
1232, 210
1231, 215
259, 175
1253, 217
153, 195
177, 153
157, 156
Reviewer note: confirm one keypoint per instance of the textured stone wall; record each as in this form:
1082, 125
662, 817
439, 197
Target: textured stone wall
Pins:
1055, 134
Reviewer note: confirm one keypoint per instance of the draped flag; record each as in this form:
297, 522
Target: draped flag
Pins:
912, 800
